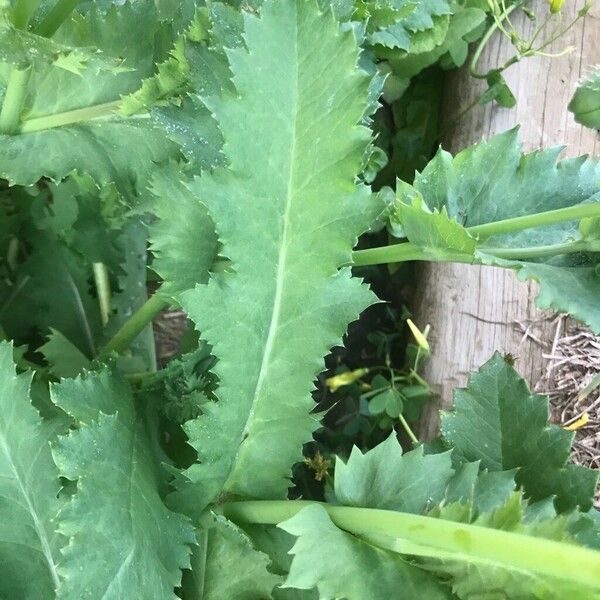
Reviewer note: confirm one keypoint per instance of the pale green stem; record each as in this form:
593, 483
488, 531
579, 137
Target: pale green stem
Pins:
542, 251
199, 565
407, 251
409, 431
102, 282
403, 253
135, 324
55, 18
12, 254
14, 98
550, 217
23, 11
70, 117
484, 42
514, 551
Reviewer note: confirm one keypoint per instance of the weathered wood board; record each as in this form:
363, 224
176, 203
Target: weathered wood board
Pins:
475, 311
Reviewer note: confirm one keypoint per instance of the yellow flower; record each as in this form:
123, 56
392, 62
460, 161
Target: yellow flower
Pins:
338, 381
420, 337
580, 422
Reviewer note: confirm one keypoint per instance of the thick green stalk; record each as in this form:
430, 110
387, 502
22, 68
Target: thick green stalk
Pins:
14, 98
135, 324
550, 217
23, 11
55, 18
102, 282
542, 251
70, 117
484, 42
501, 548
407, 251
402, 253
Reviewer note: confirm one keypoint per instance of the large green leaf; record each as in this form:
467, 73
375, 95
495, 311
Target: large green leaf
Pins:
67, 228
288, 212
183, 240
585, 104
462, 24
341, 565
493, 181
123, 541
53, 271
498, 421
64, 358
386, 478
21, 49
29, 486
224, 549
489, 581
405, 25
112, 118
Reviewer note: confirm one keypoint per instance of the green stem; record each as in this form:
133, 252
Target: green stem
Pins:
56, 17
23, 11
484, 42
135, 324
543, 251
102, 282
407, 251
70, 117
549, 217
403, 253
409, 431
14, 98
514, 551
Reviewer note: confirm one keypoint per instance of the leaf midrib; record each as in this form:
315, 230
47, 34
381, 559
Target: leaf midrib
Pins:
280, 277
41, 533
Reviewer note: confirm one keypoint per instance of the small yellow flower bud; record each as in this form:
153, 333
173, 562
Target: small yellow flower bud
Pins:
555, 5
420, 338
338, 381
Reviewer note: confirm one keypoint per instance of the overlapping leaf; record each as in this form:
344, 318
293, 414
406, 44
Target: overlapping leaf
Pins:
480, 494
117, 498
340, 565
489, 581
498, 421
463, 25
21, 49
386, 478
74, 121
67, 228
183, 241
405, 25
585, 104
493, 181
225, 550
288, 212
29, 486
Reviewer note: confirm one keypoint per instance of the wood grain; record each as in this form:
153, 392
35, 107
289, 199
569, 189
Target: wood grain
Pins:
475, 311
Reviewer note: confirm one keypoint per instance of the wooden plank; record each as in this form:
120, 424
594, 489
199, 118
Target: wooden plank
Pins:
475, 311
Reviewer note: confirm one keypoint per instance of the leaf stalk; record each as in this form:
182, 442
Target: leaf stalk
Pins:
56, 17
102, 283
23, 11
70, 117
14, 98
550, 217
436, 537
135, 325
408, 251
